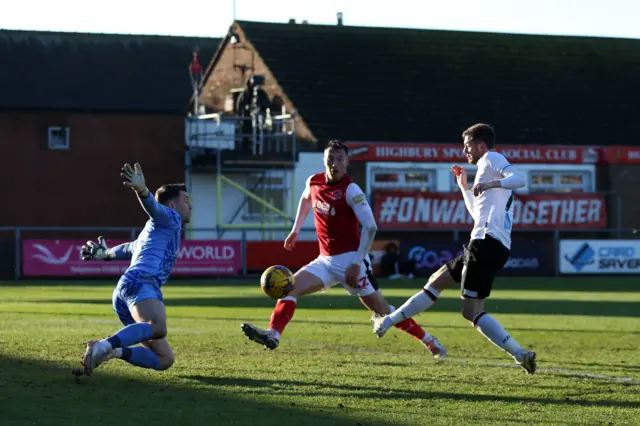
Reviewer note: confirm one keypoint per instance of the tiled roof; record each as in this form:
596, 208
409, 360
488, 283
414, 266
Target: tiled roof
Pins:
78, 71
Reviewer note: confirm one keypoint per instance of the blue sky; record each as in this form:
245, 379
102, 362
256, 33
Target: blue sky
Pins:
211, 18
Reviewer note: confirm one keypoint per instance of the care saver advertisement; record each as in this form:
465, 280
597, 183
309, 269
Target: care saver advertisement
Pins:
529, 256
599, 256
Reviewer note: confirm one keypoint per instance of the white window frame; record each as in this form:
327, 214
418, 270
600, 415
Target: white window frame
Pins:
52, 139
282, 187
588, 182
402, 169
444, 180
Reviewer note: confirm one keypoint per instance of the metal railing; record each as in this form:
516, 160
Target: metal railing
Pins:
258, 133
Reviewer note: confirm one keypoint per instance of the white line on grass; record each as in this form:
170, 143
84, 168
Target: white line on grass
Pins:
548, 370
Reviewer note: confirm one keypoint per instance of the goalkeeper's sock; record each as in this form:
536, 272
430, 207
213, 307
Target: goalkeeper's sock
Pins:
131, 334
282, 314
139, 356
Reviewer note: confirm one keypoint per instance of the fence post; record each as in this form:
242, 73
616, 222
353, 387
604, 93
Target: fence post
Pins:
18, 249
619, 214
243, 249
556, 252
133, 234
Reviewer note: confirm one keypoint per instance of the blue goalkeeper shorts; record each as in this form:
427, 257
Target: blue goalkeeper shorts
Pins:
134, 287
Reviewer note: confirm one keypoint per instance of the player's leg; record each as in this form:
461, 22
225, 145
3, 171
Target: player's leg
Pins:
482, 261
163, 350
445, 277
309, 279
138, 302
153, 354
372, 298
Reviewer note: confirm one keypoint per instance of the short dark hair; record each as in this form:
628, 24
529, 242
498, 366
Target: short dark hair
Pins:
481, 133
168, 192
337, 144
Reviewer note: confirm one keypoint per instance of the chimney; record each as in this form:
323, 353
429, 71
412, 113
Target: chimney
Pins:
339, 19
292, 20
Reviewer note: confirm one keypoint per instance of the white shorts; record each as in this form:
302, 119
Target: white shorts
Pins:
332, 269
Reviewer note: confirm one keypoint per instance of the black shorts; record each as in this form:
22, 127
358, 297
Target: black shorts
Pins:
482, 259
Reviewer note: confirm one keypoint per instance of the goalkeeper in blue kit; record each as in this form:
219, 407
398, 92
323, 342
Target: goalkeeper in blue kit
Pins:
137, 298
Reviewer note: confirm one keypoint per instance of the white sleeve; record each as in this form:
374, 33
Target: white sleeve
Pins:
511, 178
357, 200
304, 206
468, 200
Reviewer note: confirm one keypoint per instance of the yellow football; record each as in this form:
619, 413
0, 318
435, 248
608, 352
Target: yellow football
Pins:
277, 281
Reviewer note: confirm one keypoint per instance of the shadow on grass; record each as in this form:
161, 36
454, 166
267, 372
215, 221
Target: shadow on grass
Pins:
339, 301
564, 283
311, 388
37, 392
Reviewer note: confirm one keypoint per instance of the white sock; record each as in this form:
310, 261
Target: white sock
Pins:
427, 337
419, 302
117, 353
490, 328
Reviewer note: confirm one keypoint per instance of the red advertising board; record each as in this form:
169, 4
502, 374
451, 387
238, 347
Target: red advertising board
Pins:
622, 155
262, 254
413, 210
61, 258
429, 152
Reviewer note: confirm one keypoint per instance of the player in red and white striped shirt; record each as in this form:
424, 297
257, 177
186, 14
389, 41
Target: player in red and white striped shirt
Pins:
339, 208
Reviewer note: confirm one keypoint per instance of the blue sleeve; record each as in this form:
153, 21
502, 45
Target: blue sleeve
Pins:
160, 214
122, 252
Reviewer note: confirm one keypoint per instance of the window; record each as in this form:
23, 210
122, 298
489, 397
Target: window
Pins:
538, 178
404, 179
270, 187
58, 137
560, 181
386, 178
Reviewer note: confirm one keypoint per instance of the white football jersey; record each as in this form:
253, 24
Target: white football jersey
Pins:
493, 209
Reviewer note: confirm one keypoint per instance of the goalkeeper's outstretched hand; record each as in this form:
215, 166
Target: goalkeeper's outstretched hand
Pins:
133, 178
95, 250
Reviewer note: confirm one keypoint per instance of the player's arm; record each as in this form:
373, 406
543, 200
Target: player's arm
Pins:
121, 252
93, 250
156, 211
468, 199
461, 179
304, 207
357, 200
511, 177
134, 179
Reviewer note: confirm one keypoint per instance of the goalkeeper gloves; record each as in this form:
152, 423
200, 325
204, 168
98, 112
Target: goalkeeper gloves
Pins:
95, 250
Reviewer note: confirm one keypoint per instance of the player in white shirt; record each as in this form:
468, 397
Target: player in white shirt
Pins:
490, 203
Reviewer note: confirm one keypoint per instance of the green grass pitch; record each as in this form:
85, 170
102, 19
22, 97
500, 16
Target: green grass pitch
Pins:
329, 369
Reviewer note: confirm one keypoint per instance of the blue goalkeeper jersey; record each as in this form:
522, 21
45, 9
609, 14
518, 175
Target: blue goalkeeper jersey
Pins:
156, 249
